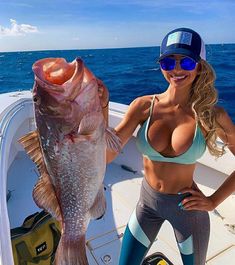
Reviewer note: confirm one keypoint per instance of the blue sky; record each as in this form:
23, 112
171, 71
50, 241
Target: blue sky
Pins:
85, 24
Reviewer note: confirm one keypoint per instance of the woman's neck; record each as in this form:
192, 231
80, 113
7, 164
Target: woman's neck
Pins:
177, 97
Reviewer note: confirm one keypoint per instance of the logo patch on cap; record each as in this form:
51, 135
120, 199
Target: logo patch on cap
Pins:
180, 37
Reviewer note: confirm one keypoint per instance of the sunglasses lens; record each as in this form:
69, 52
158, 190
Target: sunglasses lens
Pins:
167, 64
188, 64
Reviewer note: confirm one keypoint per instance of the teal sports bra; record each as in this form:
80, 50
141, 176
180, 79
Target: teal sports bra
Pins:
194, 152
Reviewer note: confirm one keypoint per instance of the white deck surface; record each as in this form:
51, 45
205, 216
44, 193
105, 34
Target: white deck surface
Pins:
104, 236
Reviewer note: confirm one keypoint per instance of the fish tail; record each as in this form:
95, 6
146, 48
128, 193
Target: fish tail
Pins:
71, 252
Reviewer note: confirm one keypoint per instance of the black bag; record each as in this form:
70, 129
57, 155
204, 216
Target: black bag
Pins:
36, 241
157, 258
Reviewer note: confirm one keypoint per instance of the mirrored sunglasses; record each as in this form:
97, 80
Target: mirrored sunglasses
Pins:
186, 63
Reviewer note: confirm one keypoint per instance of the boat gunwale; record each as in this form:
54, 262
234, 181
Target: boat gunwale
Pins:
5, 125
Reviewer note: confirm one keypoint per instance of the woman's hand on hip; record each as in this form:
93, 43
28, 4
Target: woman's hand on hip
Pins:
197, 200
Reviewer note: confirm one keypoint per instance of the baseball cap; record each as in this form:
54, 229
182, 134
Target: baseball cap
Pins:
183, 41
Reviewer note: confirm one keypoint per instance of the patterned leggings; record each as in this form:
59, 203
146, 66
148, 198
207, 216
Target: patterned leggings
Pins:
191, 228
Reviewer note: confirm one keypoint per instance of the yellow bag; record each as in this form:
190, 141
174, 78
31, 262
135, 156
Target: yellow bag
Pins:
36, 241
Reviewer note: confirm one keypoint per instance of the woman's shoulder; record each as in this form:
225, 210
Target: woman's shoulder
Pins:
141, 103
139, 107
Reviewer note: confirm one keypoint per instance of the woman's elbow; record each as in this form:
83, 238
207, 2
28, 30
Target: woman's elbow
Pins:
110, 156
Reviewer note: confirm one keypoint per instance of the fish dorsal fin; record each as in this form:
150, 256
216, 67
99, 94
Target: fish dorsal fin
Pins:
43, 193
31, 144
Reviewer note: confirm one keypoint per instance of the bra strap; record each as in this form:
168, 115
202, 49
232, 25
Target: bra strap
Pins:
151, 106
150, 114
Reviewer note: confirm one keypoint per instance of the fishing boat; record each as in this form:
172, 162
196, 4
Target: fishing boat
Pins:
18, 175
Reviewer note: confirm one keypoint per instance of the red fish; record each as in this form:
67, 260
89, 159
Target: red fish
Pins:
69, 148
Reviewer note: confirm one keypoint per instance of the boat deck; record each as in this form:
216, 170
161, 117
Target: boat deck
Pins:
122, 189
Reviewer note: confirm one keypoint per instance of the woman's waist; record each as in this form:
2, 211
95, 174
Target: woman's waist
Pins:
169, 178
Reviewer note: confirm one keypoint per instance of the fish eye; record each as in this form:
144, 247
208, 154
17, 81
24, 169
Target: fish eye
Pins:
36, 99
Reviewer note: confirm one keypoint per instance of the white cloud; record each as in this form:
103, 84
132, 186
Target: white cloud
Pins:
17, 29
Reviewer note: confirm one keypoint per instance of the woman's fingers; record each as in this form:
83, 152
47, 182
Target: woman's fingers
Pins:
194, 203
198, 201
102, 92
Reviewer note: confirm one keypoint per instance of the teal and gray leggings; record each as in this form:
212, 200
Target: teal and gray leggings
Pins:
191, 228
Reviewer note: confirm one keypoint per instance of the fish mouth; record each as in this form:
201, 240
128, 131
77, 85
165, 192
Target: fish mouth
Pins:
58, 86
54, 71
58, 77
58, 71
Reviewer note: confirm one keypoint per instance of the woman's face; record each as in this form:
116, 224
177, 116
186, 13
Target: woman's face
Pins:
179, 78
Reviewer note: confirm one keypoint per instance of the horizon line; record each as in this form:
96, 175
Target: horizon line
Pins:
105, 48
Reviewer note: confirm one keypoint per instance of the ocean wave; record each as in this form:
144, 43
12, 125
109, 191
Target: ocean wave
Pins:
152, 69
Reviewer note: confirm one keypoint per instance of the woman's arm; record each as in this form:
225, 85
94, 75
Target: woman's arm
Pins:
198, 201
227, 135
135, 115
137, 112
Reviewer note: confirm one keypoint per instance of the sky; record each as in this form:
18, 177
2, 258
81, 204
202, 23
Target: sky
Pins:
91, 24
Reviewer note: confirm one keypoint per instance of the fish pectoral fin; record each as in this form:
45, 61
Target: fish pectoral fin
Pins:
112, 140
89, 123
31, 144
45, 197
98, 208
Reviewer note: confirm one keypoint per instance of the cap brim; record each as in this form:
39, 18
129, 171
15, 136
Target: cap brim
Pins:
180, 51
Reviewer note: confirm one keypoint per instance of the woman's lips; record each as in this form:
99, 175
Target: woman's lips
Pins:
178, 78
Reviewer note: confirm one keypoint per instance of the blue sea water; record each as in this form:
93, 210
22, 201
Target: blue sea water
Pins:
127, 72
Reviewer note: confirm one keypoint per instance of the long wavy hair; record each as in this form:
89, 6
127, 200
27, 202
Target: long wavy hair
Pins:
203, 98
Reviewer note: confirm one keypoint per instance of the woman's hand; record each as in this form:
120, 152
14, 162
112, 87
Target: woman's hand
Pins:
197, 201
103, 93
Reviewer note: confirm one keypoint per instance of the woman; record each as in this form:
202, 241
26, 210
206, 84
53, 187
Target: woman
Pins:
176, 127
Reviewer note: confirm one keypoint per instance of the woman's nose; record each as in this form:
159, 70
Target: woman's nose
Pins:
177, 65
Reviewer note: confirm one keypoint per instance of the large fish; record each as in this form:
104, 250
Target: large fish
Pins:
69, 148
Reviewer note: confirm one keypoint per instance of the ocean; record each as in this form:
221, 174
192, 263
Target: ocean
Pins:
127, 72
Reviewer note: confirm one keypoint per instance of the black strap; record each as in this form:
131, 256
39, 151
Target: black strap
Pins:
30, 223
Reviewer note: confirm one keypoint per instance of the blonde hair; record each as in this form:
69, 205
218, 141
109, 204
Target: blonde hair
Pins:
203, 98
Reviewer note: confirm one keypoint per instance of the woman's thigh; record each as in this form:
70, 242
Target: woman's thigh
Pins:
192, 230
